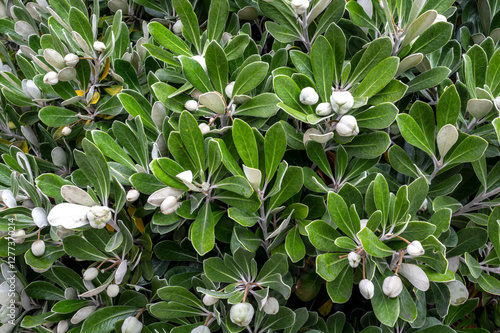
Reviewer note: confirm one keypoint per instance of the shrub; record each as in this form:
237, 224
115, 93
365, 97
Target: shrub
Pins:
269, 166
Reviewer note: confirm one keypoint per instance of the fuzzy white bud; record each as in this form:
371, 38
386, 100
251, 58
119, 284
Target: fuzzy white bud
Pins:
415, 249
169, 205
18, 236
229, 89
99, 216
51, 78
497, 103
8, 199
300, 6
63, 326
133, 195
324, 109
82, 314
131, 325
99, 46
177, 28
347, 126
204, 128
354, 259
38, 248
392, 286
39, 217
66, 131
308, 96
366, 288
271, 306
191, 105
112, 290
71, 59
209, 300
241, 314
200, 329
341, 101
90, 274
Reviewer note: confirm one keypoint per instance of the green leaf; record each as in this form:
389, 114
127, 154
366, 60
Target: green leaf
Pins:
217, 271
78, 247
381, 196
245, 143
494, 229
434, 38
193, 140
317, 154
469, 240
412, 133
274, 149
377, 117
368, 146
44, 290
112, 149
401, 162
469, 150
236, 184
330, 265
386, 309
322, 66
168, 39
373, 245
103, 320
250, 77
337, 40
448, 107
339, 213
55, 116
179, 294
340, 289
195, 74
294, 245
217, 65
378, 78
217, 18
428, 79
80, 23
493, 73
292, 183
264, 105
188, 18
376, 51
289, 92
69, 305
322, 236
127, 72
50, 184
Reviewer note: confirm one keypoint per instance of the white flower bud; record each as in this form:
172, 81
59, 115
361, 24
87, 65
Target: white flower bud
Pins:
229, 89
53, 58
18, 236
131, 325
82, 314
112, 290
392, 286
209, 300
324, 109
201, 60
32, 90
241, 314
8, 199
66, 131
133, 195
497, 103
271, 306
50, 78
121, 271
347, 126
71, 59
191, 105
39, 217
200, 329
177, 28
99, 216
415, 249
354, 259
342, 101
62, 327
90, 274
195, 94
440, 18
99, 46
169, 205
309, 96
38, 248
300, 6
204, 128
366, 288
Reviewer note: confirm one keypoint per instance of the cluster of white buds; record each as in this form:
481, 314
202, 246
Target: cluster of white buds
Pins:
415, 249
241, 314
347, 126
131, 325
300, 6
366, 288
341, 101
177, 27
354, 259
191, 105
392, 286
99, 216
308, 96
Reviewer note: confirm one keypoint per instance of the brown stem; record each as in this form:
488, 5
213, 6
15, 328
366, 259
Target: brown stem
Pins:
210, 315
364, 261
39, 230
113, 265
403, 239
104, 262
140, 312
246, 292
213, 119
399, 263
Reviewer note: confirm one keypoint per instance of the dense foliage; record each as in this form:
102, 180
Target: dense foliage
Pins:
250, 165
